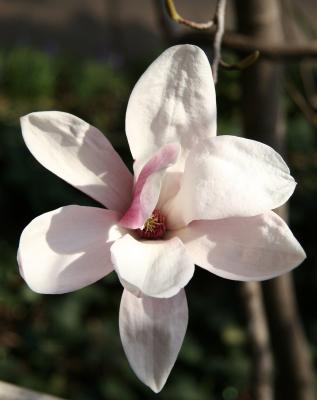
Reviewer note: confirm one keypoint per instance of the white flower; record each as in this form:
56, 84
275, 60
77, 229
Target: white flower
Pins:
196, 199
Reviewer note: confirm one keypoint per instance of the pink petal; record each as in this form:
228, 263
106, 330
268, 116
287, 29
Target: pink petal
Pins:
153, 268
152, 333
67, 249
147, 187
254, 248
80, 154
228, 176
173, 101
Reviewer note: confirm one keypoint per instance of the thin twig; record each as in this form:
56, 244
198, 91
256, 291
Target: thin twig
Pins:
172, 12
218, 21
242, 64
220, 27
301, 103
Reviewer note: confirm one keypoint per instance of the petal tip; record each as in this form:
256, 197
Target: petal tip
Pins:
187, 47
24, 120
156, 388
301, 255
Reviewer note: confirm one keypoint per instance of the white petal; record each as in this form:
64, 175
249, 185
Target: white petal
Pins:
154, 268
228, 176
80, 154
254, 248
171, 182
174, 101
152, 333
67, 249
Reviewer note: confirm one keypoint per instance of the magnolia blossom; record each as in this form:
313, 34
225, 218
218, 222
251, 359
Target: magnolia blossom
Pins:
195, 198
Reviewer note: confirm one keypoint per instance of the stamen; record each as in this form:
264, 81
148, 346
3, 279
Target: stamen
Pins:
154, 227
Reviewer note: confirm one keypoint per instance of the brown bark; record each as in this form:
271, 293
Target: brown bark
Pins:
262, 363
295, 379
263, 121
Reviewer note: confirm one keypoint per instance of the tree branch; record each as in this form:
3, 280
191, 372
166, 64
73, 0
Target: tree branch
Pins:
262, 366
293, 359
307, 74
264, 120
236, 41
242, 43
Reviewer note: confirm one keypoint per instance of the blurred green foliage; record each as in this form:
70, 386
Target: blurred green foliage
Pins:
36, 77
69, 345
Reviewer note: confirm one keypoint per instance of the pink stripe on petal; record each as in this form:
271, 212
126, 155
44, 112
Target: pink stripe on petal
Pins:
148, 185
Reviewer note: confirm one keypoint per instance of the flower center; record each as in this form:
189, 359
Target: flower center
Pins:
154, 227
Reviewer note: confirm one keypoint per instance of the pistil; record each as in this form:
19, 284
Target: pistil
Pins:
154, 227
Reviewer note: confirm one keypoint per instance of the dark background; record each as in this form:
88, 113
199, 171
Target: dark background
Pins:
84, 57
